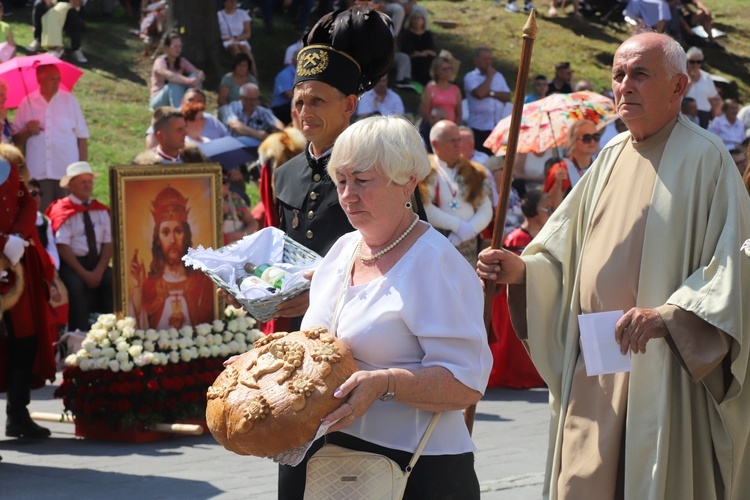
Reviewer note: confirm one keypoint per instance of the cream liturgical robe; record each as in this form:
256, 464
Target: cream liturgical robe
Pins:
685, 419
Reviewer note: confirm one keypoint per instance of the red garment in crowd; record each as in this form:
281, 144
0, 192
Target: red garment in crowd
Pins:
267, 197
267, 214
32, 315
512, 366
550, 180
63, 209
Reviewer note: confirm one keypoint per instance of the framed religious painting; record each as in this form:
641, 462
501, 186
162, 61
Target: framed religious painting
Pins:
158, 212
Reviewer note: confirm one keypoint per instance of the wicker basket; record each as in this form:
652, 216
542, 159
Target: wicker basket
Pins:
264, 309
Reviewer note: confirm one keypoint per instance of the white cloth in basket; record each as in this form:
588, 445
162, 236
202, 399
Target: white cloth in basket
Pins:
226, 263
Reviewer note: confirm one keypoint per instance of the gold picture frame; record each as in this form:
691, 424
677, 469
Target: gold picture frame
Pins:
158, 210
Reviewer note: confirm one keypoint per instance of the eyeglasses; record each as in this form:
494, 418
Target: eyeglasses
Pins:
695, 61
446, 68
35, 193
587, 138
547, 210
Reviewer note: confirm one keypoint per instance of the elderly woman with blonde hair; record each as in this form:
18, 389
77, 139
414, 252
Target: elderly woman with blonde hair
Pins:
580, 147
410, 308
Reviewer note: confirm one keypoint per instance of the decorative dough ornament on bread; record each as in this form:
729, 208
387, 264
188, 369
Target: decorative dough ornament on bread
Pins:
273, 397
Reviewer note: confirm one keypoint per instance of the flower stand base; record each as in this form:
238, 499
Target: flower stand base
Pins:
103, 432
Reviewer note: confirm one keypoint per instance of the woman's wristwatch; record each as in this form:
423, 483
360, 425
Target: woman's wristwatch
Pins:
390, 391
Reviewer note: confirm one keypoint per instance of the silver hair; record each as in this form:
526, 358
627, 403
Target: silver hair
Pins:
675, 59
246, 87
388, 144
694, 51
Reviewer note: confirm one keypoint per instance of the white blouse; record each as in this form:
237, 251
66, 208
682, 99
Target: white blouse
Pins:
425, 311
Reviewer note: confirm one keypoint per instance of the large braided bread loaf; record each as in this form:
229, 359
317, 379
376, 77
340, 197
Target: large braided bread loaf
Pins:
273, 397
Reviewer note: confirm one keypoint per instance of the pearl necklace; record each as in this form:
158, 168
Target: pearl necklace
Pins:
372, 258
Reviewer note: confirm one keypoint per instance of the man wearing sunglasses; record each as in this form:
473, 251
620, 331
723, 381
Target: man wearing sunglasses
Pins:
652, 234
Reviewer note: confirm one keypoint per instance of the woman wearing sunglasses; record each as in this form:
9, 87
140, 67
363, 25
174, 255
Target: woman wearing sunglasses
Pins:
580, 148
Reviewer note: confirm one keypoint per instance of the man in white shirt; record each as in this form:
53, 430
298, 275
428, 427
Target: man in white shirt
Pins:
380, 100
212, 129
744, 117
727, 126
248, 118
457, 195
170, 131
51, 126
83, 233
487, 93
688, 108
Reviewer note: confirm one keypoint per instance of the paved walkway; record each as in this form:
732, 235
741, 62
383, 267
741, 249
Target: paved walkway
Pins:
510, 432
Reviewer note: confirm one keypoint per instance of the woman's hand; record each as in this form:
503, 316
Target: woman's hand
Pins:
231, 360
359, 392
298, 305
561, 175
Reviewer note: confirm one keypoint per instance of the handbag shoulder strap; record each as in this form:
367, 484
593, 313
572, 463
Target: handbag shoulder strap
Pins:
226, 23
422, 443
339, 303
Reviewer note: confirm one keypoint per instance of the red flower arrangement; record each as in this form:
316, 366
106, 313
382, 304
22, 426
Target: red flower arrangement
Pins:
142, 396
131, 379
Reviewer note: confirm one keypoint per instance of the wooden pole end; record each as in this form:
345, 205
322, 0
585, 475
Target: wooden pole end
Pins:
530, 29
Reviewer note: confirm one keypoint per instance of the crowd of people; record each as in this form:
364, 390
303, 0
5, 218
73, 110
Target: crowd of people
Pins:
402, 233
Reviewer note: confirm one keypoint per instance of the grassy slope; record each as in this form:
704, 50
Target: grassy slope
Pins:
114, 89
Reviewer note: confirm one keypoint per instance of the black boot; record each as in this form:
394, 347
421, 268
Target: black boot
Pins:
21, 360
22, 426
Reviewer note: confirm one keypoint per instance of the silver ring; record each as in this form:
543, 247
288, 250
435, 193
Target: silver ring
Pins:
351, 405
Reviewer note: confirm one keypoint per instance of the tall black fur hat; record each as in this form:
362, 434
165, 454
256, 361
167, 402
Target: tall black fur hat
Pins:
347, 49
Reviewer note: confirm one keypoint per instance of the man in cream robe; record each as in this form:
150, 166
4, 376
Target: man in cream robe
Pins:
654, 228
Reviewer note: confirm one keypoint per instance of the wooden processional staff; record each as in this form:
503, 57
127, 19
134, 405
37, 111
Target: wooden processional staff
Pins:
529, 35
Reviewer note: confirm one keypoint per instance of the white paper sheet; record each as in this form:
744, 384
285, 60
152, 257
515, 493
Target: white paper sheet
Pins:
601, 352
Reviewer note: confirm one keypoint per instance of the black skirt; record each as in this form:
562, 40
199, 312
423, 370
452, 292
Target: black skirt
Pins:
433, 477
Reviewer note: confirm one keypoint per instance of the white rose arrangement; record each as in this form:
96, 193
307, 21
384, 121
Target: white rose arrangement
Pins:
115, 344
130, 378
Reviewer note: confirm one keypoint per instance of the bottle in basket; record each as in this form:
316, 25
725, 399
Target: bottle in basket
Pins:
274, 276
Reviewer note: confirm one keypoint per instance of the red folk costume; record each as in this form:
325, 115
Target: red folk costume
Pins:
58, 212
31, 316
191, 301
512, 366
63, 209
